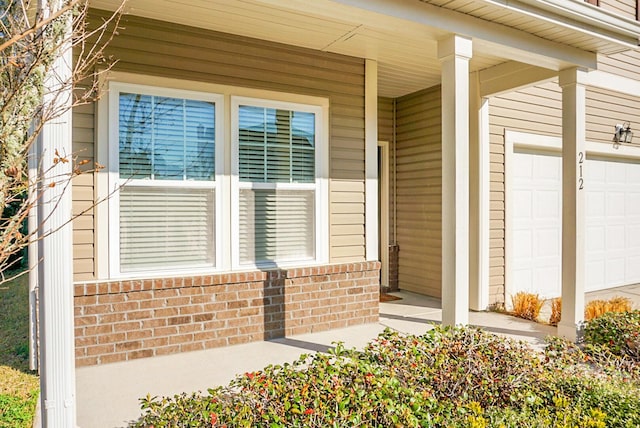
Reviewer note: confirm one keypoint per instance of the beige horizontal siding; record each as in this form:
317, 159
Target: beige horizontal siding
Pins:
605, 109
163, 49
83, 195
419, 191
623, 8
626, 64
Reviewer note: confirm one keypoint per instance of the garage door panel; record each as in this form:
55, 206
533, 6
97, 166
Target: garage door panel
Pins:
615, 237
523, 204
546, 171
548, 243
545, 278
615, 270
595, 202
633, 267
632, 204
633, 175
615, 173
596, 239
524, 279
523, 168
547, 204
524, 250
633, 239
615, 205
595, 274
597, 173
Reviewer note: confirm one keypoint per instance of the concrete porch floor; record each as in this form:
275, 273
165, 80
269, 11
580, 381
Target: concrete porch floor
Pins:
107, 396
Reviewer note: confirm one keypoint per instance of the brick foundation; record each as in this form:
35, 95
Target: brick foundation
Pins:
124, 320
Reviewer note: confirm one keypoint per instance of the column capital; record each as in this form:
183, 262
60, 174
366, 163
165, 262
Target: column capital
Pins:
455, 45
572, 76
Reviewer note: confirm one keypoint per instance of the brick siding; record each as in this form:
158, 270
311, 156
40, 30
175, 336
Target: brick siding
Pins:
124, 320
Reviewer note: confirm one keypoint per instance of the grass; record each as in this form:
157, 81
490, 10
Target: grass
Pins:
19, 387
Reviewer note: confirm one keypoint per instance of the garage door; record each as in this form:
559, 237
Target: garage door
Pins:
613, 223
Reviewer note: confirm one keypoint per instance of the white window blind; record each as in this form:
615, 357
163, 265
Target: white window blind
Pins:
167, 170
276, 225
276, 146
166, 227
277, 176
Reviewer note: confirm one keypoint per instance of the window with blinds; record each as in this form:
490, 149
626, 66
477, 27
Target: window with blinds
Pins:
167, 170
277, 184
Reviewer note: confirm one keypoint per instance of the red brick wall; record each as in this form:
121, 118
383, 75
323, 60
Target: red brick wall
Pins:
123, 320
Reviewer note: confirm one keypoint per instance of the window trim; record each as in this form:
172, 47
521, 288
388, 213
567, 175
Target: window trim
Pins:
115, 182
321, 220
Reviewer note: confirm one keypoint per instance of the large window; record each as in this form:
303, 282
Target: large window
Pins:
277, 156
167, 177
214, 181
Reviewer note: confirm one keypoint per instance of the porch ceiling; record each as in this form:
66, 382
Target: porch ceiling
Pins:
406, 49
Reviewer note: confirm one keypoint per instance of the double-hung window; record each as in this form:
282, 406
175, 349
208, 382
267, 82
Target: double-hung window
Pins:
167, 159
277, 192
212, 181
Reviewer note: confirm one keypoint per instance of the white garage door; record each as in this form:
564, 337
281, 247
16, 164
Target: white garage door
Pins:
613, 223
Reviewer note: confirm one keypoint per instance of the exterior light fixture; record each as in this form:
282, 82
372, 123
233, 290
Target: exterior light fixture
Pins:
623, 135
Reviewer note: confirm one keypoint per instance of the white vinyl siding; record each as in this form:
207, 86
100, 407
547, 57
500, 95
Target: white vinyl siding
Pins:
277, 188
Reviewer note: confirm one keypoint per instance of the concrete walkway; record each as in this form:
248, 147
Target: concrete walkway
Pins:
108, 394
631, 292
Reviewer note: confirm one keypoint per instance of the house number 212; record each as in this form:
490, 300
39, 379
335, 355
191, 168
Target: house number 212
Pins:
580, 162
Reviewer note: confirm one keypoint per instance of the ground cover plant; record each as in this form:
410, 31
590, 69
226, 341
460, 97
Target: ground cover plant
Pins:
448, 377
18, 386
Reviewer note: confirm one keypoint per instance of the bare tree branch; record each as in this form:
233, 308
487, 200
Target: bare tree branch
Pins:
30, 42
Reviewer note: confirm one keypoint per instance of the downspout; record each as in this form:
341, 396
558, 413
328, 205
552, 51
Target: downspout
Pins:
395, 176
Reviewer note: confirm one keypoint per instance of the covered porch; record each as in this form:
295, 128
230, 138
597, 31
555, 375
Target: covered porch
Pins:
461, 53
107, 395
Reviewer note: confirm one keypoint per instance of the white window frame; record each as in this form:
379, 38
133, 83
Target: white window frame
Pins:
320, 186
115, 182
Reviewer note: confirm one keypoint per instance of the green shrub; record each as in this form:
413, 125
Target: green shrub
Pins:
448, 377
619, 331
17, 412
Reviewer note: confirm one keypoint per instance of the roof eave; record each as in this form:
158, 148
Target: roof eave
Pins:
581, 16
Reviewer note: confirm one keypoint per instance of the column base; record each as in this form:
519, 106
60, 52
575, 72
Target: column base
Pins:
571, 331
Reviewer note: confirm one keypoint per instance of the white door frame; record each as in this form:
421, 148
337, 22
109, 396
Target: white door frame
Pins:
383, 205
513, 139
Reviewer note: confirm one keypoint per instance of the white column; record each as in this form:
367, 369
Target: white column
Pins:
57, 375
454, 53
371, 159
479, 196
573, 201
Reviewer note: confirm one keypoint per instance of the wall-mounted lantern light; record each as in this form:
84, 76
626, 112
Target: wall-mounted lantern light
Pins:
623, 135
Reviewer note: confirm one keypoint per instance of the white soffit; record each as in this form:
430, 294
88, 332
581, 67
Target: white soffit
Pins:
400, 35
572, 22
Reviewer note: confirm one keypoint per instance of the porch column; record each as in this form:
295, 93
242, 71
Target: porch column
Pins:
371, 159
454, 53
573, 201
479, 209
57, 356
